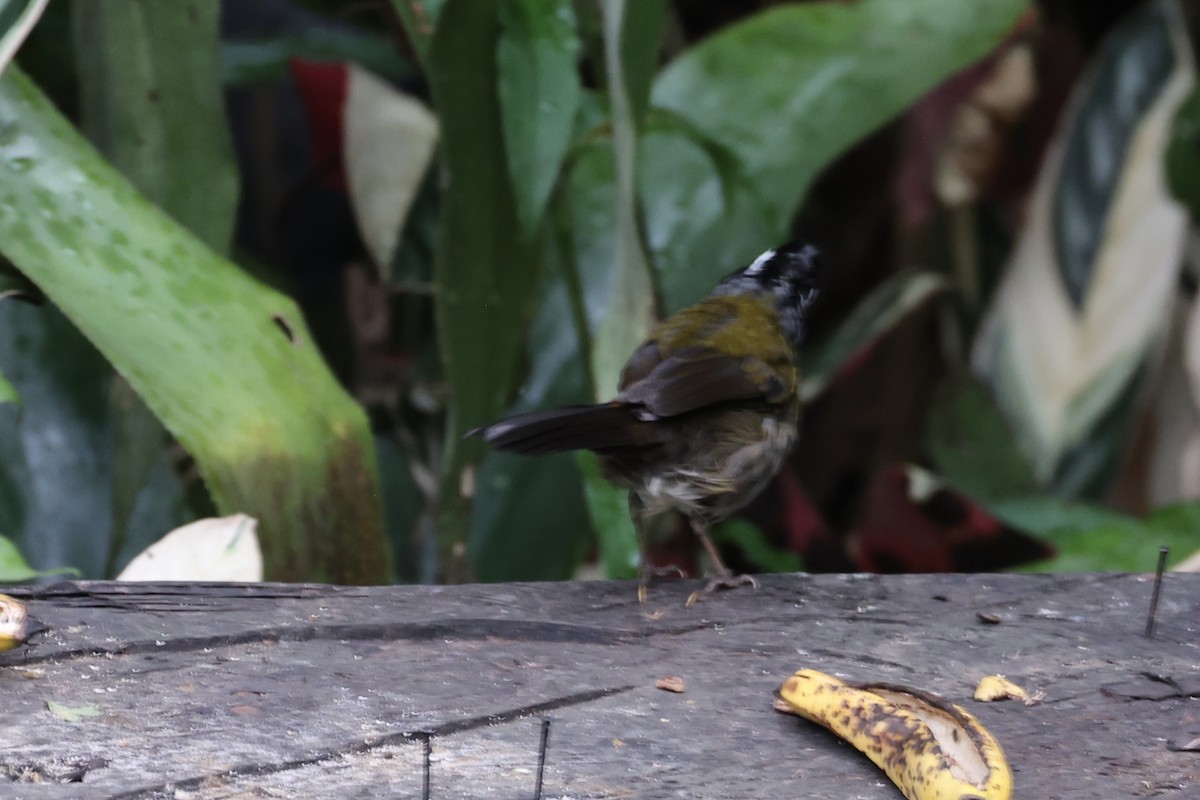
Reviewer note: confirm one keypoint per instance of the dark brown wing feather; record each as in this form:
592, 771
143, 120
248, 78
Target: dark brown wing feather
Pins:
695, 379
557, 430
709, 354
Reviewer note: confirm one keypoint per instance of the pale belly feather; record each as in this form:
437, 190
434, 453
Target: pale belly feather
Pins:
726, 478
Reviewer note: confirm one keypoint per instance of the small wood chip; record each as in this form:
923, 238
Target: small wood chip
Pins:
988, 617
671, 683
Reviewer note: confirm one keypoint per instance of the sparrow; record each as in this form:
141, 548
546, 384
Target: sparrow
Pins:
707, 407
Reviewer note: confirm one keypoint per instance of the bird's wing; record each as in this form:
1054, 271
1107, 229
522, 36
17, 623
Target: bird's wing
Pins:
698, 377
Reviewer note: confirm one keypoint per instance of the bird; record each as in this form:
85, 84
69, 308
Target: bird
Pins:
706, 410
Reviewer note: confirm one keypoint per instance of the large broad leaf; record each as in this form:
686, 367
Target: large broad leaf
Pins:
14, 568
16, 286
529, 521
629, 309
631, 306
701, 215
17, 18
63, 452
146, 70
1091, 539
388, 139
875, 315
1085, 293
791, 88
972, 445
642, 23
250, 61
755, 548
589, 211
420, 21
224, 362
210, 549
152, 103
539, 95
1183, 155
483, 268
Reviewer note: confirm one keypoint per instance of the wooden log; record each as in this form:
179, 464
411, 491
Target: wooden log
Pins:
217, 691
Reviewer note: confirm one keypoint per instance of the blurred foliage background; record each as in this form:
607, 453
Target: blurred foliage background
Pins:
276, 257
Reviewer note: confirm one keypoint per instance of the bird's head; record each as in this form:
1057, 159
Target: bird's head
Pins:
786, 275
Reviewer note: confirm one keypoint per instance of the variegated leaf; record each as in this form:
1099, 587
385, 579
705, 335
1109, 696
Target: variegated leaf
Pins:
1088, 286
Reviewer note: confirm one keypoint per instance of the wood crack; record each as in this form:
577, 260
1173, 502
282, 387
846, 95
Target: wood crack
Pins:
452, 629
171, 788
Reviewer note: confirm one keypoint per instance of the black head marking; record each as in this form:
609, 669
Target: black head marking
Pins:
789, 274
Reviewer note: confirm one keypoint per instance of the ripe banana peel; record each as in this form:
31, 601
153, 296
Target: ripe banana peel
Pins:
930, 748
14, 622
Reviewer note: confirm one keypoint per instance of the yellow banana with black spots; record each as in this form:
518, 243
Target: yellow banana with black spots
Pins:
929, 747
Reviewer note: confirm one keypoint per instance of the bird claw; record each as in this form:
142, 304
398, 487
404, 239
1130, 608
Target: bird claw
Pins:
650, 574
719, 582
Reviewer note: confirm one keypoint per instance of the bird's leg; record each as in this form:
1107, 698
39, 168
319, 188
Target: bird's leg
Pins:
646, 573
724, 577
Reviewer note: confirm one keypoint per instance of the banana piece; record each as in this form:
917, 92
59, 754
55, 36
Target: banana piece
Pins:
930, 748
997, 687
14, 622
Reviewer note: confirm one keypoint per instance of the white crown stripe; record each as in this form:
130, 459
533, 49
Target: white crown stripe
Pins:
760, 262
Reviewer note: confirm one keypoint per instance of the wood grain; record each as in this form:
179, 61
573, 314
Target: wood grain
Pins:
220, 691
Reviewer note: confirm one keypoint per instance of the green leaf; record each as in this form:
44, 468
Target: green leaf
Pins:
608, 507
587, 220
539, 96
14, 568
516, 534
8, 394
140, 108
1183, 155
1128, 75
641, 37
403, 506
971, 444
151, 101
1092, 539
1101, 233
59, 451
1085, 470
226, 363
602, 198
791, 88
749, 538
71, 713
702, 220
251, 61
482, 270
876, 314
139, 442
420, 18
530, 522
631, 306
17, 18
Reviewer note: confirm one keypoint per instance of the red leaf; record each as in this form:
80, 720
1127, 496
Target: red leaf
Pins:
942, 530
323, 87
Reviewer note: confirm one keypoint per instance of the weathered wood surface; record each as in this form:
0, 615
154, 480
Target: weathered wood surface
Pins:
317, 691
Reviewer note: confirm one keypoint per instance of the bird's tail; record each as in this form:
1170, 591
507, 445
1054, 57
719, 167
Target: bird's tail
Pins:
556, 430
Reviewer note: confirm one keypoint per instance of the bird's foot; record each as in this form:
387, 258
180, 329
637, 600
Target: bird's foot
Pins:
647, 576
726, 580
